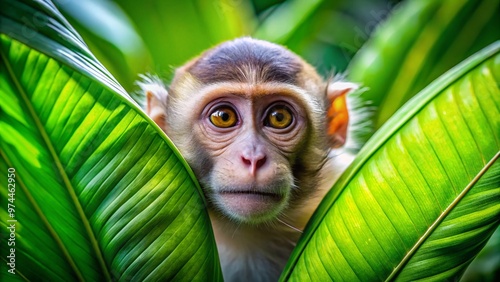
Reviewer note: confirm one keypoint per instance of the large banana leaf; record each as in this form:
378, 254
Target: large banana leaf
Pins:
423, 196
420, 41
100, 192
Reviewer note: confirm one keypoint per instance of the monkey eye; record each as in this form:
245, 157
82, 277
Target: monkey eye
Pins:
278, 117
223, 117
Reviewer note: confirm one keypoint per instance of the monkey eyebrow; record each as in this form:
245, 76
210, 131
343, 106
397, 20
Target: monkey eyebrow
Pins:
250, 90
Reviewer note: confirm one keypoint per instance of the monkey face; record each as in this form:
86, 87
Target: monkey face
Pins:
251, 140
250, 145
249, 118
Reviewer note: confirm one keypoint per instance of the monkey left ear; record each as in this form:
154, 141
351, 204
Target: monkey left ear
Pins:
337, 113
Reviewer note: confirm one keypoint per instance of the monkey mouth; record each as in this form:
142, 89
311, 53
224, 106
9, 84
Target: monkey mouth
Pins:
253, 193
249, 205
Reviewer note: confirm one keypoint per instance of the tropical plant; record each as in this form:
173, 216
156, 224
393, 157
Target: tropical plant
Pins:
94, 190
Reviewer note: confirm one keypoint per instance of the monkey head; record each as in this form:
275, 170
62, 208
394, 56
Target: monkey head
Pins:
251, 119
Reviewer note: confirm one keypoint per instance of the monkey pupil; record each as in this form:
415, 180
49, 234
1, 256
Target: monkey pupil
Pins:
224, 116
279, 117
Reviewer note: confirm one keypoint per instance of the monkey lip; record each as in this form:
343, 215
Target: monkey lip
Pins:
250, 205
255, 193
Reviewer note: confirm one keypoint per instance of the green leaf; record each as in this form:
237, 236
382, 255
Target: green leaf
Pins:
175, 31
422, 197
285, 19
419, 42
111, 36
100, 192
485, 266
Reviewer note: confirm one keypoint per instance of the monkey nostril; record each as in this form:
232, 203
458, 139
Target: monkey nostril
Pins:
246, 161
260, 162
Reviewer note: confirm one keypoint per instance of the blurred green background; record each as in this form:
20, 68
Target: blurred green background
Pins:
131, 37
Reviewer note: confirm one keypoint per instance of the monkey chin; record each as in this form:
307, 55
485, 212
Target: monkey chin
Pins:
251, 206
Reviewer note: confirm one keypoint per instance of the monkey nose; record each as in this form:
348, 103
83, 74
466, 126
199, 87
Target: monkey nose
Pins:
254, 162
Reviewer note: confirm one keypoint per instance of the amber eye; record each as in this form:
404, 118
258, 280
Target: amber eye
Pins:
223, 117
279, 117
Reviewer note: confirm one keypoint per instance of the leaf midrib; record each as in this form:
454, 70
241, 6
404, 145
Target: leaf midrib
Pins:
441, 218
64, 176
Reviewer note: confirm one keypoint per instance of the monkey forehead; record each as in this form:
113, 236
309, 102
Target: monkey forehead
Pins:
247, 60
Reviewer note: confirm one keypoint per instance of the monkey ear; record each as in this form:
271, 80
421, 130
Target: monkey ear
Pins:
337, 112
155, 109
156, 99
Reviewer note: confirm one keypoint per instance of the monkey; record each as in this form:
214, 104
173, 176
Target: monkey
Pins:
261, 130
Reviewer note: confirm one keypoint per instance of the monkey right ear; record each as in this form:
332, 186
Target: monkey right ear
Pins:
337, 114
155, 109
156, 99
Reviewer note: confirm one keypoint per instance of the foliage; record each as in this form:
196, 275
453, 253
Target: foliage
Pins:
101, 192
157, 36
401, 59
